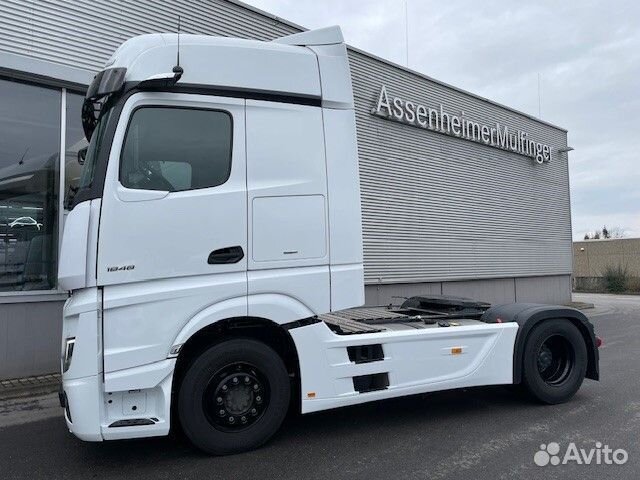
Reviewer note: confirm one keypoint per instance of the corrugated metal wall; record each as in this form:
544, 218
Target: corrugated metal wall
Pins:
459, 209
434, 207
84, 33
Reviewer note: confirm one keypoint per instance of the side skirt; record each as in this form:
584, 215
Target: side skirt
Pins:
339, 370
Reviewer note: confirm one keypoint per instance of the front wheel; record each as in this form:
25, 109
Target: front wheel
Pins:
555, 361
234, 397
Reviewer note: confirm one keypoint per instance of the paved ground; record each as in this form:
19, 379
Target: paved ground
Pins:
481, 433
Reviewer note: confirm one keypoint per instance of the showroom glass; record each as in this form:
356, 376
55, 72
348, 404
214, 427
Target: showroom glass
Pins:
29, 185
175, 149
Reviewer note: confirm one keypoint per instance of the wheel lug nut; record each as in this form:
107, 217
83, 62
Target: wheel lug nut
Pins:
255, 386
253, 411
221, 412
258, 399
219, 399
247, 379
235, 379
224, 388
231, 419
243, 419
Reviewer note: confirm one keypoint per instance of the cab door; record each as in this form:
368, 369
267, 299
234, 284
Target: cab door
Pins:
173, 227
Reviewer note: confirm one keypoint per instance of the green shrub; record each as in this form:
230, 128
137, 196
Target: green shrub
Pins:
616, 279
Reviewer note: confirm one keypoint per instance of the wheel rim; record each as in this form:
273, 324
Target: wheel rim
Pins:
556, 359
236, 397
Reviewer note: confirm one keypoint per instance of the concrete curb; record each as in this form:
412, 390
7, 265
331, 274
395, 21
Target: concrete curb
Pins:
29, 386
580, 305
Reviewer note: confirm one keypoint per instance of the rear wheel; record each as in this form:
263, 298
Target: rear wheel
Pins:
555, 361
234, 397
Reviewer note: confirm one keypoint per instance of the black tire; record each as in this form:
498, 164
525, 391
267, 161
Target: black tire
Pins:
554, 362
201, 389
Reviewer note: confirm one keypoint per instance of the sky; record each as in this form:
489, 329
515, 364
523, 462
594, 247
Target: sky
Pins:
586, 54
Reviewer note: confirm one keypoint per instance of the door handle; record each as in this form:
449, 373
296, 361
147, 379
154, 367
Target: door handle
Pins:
226, 255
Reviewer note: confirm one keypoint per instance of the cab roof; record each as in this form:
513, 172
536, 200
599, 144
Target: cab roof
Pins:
289, 66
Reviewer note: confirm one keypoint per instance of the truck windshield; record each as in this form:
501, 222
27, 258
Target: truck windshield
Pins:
95, 144
90, 161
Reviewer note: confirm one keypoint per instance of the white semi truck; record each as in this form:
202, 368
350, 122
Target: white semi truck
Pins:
214, 258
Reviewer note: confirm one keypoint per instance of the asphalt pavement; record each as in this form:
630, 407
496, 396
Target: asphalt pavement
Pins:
484, 433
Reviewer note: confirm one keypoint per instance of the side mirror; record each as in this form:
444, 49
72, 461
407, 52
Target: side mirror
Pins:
82, 155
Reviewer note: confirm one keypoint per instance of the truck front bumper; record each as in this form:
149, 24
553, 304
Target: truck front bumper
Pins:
81, 401
98, 405
82, 365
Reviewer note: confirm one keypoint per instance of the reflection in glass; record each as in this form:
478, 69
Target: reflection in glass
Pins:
74, 142
176, 149
29, 177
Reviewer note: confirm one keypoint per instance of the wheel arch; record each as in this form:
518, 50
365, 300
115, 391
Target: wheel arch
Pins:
273, 315
261, 329
528, 316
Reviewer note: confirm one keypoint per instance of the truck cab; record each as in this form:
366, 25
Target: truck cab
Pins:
215, 243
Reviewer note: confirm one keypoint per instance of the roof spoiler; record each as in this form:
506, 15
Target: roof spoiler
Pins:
321, 36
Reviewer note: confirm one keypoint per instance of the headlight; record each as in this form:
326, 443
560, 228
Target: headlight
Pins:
68, 353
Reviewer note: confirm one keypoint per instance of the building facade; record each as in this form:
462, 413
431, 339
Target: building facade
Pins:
460, 195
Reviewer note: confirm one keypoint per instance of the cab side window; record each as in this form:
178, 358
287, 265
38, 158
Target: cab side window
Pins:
176, 149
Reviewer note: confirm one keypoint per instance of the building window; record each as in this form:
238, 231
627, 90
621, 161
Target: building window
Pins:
176, 149
29, 186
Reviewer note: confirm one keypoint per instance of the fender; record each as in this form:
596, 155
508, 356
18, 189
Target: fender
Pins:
528, 315
230, 308
278, 308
